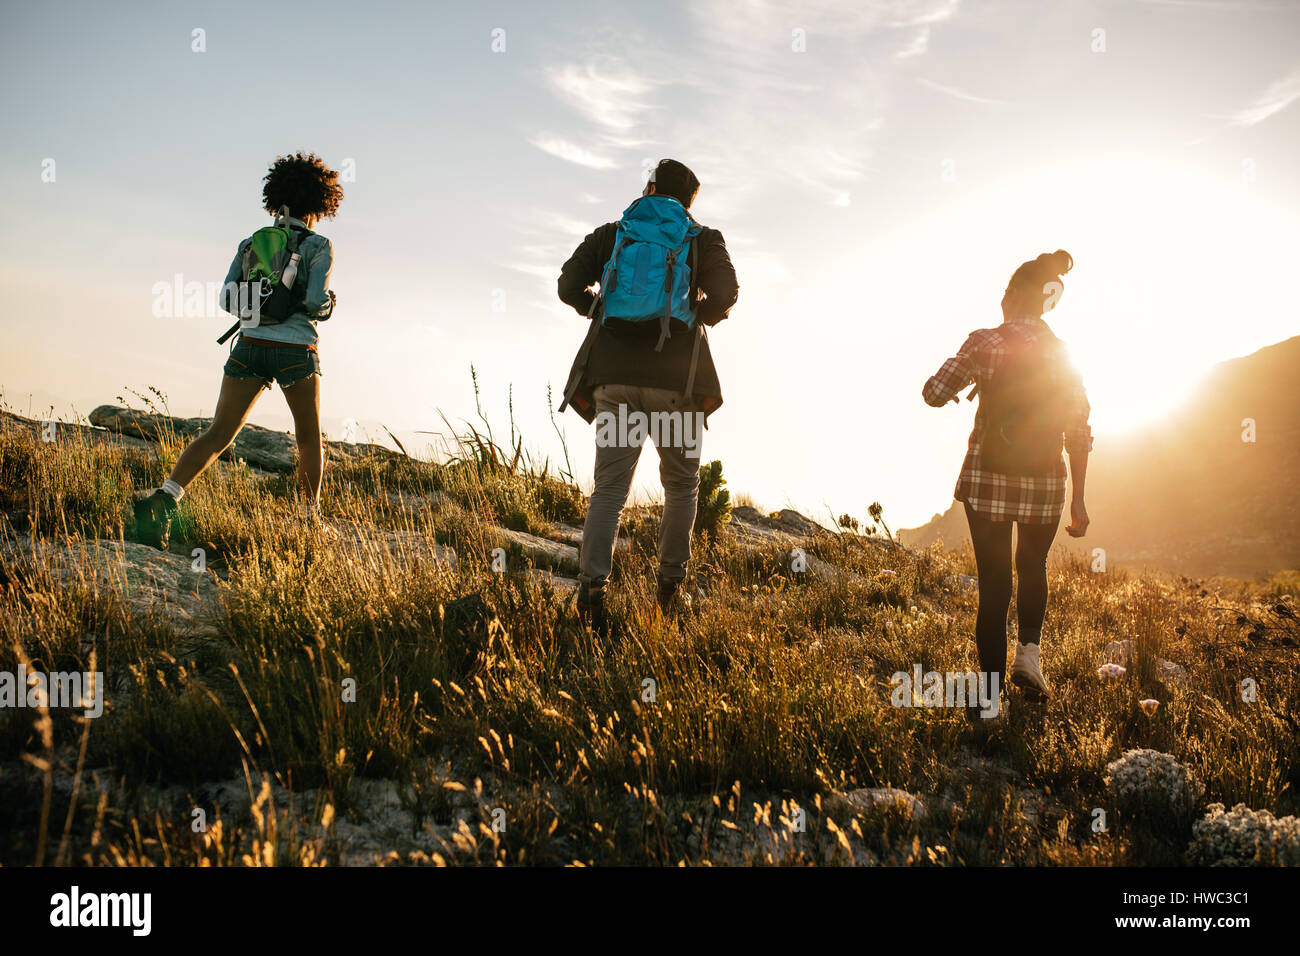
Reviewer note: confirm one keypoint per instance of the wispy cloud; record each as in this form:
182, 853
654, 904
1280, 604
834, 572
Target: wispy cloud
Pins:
537, 271
549, 238
917, 46
569, 151
770, 101
605, 92
958, 93
924, 14
1280, 94
1236, 5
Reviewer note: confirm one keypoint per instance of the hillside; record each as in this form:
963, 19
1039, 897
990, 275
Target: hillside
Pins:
376, 687
1189, 495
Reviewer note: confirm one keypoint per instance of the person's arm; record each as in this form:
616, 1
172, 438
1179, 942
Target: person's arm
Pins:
1078, 443
584, 268
317, 299
228, 295
717, 279
954, 375
1079, 519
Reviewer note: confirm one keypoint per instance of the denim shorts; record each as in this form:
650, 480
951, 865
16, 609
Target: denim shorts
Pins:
287, 365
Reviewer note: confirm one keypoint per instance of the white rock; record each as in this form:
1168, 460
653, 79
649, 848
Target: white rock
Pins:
868, 797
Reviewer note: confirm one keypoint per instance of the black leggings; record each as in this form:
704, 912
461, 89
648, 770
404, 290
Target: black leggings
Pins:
992, 541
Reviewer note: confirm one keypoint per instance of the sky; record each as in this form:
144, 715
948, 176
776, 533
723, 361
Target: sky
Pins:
878, 170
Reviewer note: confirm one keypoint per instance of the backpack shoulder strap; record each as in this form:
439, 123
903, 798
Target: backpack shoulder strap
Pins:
699, 326
695, 269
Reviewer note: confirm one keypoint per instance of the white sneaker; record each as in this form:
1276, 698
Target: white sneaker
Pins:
1026, 672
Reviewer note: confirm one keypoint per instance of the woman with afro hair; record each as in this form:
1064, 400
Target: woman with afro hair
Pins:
284, 352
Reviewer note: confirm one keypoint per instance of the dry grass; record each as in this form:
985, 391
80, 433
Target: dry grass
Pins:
347, 652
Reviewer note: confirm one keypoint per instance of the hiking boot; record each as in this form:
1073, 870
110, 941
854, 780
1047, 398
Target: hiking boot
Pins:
153, 516
671, 595
1027, 674
591, 611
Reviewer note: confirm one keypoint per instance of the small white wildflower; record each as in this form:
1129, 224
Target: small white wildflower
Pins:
1244, 837
1153, 789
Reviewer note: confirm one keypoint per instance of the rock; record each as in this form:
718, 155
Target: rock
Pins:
151, 581
397, 541
259, 447
64, 431
561, 585
1117, 652
1170, 673
542, 551
784, 527
828, 573
795, 523
466, 635
868, 798
572, 534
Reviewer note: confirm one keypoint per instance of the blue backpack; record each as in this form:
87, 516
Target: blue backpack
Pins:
648, 278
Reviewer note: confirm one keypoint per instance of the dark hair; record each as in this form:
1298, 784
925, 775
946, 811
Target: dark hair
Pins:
305, 184
674, 179
1035, 274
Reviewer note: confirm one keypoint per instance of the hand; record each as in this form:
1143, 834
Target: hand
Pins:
1079, 520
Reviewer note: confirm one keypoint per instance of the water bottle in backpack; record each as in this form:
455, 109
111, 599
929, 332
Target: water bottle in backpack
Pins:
271, 261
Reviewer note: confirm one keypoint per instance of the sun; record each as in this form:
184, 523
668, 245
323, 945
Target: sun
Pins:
1171, 277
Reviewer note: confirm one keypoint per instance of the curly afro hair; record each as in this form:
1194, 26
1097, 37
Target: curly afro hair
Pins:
305, 184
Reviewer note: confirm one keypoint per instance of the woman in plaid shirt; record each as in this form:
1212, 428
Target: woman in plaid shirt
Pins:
1033, 497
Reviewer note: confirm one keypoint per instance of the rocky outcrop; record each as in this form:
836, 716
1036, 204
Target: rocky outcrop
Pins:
260, 447
62, 431
542, 552
154, 583
782, 526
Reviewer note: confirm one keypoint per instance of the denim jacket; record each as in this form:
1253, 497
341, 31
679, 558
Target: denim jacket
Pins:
299, 328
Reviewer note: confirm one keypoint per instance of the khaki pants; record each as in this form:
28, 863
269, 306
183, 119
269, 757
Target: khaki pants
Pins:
679, 471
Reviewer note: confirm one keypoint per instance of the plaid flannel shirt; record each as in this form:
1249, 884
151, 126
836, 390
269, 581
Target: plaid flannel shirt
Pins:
1032, 499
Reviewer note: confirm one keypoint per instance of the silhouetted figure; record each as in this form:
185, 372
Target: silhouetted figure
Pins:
278, 284
1032, 402
663, 277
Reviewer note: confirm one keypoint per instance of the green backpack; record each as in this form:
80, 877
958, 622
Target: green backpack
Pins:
268, 291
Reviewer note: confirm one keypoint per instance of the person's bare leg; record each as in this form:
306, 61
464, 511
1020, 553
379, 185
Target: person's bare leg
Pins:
237, 398
304, 402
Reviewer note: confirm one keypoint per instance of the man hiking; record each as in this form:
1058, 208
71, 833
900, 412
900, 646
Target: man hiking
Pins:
645, 368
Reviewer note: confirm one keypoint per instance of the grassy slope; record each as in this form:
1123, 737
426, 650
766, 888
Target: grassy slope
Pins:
769, 702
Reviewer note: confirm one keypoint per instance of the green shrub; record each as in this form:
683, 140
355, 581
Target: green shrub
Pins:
713, 508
